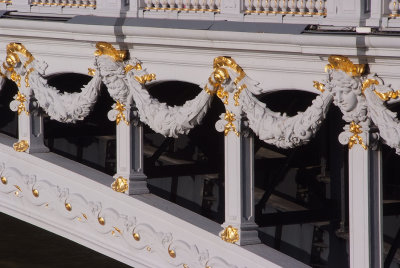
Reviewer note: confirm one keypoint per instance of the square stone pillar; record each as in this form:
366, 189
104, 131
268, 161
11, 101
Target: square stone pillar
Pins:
365, 207
239, 226
130, 159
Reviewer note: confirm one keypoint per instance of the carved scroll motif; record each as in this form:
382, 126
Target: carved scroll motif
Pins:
42, 197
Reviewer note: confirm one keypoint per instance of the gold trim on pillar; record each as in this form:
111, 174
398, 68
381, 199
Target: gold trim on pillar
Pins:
120, 116
230, 234
356, 129
21, 146
120, 185
230, 118
21, 107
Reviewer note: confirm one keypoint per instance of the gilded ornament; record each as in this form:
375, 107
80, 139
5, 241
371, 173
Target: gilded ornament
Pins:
91, 71
130, 67
145, 78
236, 96
27, 77
68, 206
230, 118
3, 180
12, 59
120, 185
35, 192
171, 253
21, 146
367, 83
185, 265
220, 62
19, 188
383, 96
84, 215
148, 249
209, 91
319, 86
344, 64
230, 234
21, 107
104, 48
356, 129
223, 95
101, 220
120, 116
136, 236
117, 229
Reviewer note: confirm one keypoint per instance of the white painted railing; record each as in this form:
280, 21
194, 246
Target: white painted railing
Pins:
286, 7
183, 5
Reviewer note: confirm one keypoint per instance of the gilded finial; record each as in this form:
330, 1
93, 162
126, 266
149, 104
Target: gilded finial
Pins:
104, 48
343, 63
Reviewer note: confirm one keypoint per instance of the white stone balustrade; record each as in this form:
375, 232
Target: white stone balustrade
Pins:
65, 3
183, 5
286, 7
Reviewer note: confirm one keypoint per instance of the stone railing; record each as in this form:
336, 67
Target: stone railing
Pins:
65, 3
286, 7
183, 5
317, 12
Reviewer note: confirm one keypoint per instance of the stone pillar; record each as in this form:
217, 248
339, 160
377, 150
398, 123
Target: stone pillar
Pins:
130, 158
30, 123
239, 226
365, 207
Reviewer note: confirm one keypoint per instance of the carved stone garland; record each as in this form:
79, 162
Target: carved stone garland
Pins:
42, 195
63, 107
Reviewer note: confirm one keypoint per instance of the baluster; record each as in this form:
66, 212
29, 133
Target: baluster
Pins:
156, 4
57, 2
203, 5
92, 3
266, 5
195, 5
394, 8
301, 5
258, 6
320, 6
171, 4
187, 5
293, 7
164, 4
310, 6
218, 3
63, 3
284, 6
275, 6
148, 4
211, 5
179, 4
248, 4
